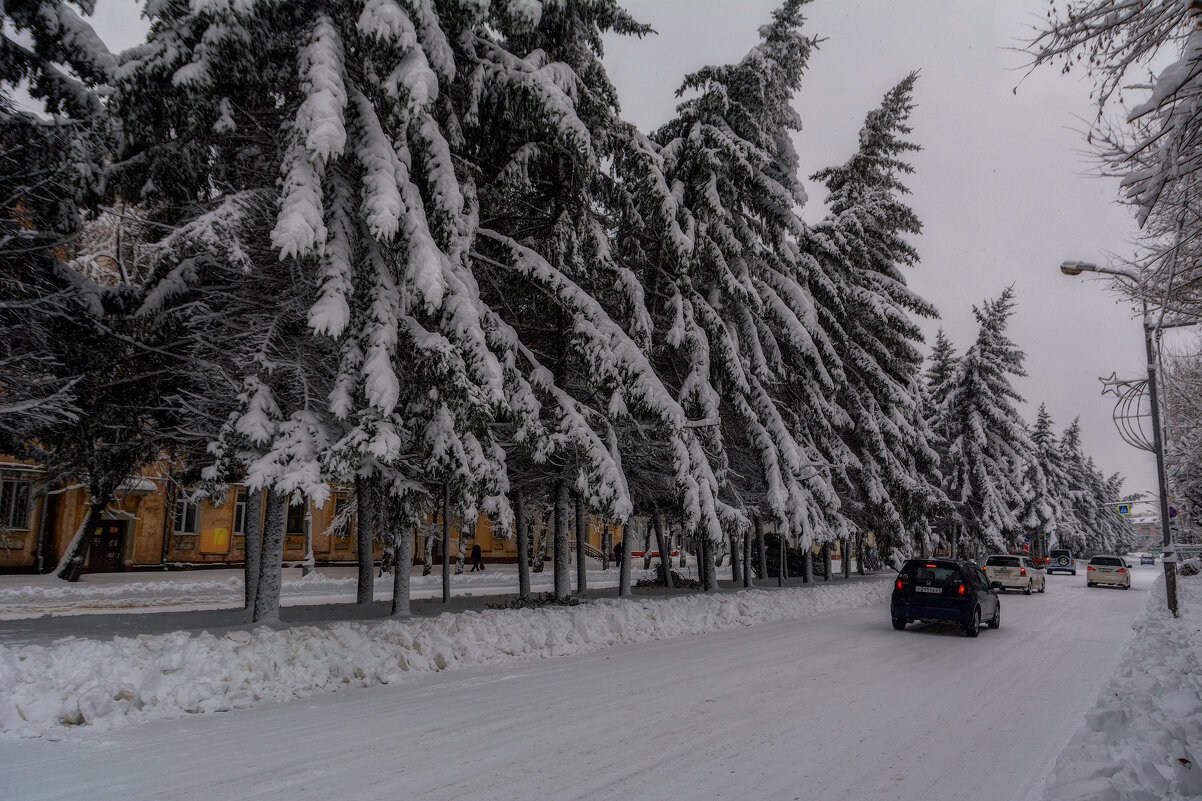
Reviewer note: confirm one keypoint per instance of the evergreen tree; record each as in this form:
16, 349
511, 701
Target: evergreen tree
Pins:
737, 336
893, 481
988, 446
338, 300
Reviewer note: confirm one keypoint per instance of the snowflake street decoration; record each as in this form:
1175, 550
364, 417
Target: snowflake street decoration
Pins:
1130, 410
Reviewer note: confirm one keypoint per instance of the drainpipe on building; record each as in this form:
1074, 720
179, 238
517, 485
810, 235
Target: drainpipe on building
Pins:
40, 558
168, 513
309, 565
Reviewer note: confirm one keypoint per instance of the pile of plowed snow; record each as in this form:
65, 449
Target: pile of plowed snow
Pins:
1143, 739
105, 684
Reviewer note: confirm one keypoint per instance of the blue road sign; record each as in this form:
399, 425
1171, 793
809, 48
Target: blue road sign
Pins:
1125, 509
1172, 512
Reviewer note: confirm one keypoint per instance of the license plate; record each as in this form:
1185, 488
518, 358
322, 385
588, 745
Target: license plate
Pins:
929, 589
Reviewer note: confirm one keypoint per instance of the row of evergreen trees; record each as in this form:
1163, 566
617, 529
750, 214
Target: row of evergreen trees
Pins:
411, 245
1008, 480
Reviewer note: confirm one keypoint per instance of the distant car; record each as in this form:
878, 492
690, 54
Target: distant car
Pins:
1061, 561
1039, 561
1108, 569
1147, 559
945, 591
1015, 572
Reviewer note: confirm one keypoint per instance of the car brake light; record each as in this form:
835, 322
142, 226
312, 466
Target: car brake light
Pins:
1121, 570
899, 586
1089, 568
1022, 571
960, 590
931, 565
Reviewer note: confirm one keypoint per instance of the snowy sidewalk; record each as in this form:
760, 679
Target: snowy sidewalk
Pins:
1142, 740
47, 690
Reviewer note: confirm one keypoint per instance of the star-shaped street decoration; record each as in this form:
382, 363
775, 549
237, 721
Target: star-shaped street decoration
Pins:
1116, 385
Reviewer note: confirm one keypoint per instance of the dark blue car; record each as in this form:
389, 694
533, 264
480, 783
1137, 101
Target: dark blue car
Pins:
945, 591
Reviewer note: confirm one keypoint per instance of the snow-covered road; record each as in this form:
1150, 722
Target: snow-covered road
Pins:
834, 707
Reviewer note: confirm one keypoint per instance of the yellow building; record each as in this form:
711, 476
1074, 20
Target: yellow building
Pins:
137, 532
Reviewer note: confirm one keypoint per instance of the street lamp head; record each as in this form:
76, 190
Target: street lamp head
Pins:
1076, 267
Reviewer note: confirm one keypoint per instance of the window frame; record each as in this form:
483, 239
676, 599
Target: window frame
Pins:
179, 516
15, 505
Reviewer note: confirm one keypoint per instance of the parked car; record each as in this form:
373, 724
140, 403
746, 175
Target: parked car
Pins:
1108, 569
1062, 561
1039, 561
1147, 559
945, 591
1017, 572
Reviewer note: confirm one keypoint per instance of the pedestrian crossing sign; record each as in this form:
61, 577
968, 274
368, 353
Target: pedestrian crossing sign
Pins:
1124, 508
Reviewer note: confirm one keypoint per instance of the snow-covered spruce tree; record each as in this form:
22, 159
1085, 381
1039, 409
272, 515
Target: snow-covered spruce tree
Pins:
49, 171
988, 446
538, 123
81, 385
1056, 482
292, 166
892, 485
735, 333
940, 368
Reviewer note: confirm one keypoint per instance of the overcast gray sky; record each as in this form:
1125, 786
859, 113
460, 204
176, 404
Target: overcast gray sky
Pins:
1003, 186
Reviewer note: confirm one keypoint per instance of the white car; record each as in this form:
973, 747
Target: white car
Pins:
1015, 572
1108, 569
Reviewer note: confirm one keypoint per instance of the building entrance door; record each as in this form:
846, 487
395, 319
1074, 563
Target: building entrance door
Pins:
106, 546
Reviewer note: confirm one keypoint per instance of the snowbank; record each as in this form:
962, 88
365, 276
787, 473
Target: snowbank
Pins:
44, 690
1143, 739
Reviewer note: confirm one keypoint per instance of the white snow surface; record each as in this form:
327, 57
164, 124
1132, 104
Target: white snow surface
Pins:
45, 690
1142, 741
836, 706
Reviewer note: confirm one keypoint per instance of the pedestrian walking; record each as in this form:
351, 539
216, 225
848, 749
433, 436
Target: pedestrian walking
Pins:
477, 559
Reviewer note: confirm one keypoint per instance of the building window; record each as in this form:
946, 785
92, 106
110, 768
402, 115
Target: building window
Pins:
240, 514
14, 505
296, 519
187, 514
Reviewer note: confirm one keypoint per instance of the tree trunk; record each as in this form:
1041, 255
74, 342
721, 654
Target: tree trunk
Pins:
563, 573
646, 547
845, 552
955, 539
402, 548
665, 551
624, 566
736, 573
523, 541
365, 521
860, 552
446, 543
782, 570
807, 564
540, 556
461, 551
747, 558
581, 539
252, 549
761, 551
267, 594
711, 570
826, 561
70, 567
607, 544
428, 553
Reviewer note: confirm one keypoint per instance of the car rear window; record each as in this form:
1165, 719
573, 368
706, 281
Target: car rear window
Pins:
932, 571
1106, 561
1060, 553
1002, 561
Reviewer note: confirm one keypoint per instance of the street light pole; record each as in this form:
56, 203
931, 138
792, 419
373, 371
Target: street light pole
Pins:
1170, 568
